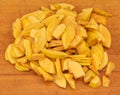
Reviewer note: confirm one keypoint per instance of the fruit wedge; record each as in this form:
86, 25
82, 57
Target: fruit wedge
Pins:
70, 80
59, 77
47, 65
110, 68
53, 53
68, 36
95, 82
106, 34
76, 69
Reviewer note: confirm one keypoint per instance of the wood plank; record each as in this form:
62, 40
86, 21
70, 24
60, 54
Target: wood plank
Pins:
34, 85
13, 82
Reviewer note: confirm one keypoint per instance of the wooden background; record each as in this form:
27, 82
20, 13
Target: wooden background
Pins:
13, 82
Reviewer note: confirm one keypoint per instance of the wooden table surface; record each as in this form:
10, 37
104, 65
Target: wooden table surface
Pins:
13, 82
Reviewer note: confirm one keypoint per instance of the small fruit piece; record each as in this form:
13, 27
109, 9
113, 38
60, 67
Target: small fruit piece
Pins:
110, 68
53, 53
17, 28
66, 13
32, 19
47, 65
61, 6
88, 76
35, 66
28, 48
59, 77
85, 68
16, 52
8, 54
57, 33
65, 64
41, 40
37, 56
95, 82
92, 24
22, 60
106, 34
47, 77
81, 31
84, 16
70, 80
69, 20
77, 40
99, 18
101, 12
76, 69
93, 68
104, 61
19, 67
51, 27
68, 36
106, 81
83, 48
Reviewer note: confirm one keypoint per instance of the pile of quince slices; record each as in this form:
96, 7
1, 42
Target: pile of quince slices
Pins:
63, 45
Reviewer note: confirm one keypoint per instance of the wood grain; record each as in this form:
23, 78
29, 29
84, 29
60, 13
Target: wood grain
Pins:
13, 82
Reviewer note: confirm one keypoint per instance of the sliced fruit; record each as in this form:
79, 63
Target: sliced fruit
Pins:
104, 61
32, 19
68, 36
8, 54
59, 77
76, 69
47, 65
83, 48
65, 64
77, 40
105, 81
69, 20
37, 56
89, 75
92, 24
99, 18
101, 12
28, 48
16, 52
53, 53
70, 80
84, 16
81, 31
106, 34
61, 6
66, 12
57, 33
22, 60
16, 28
51, 27
40, 40
110, 68
95, 82
21, 68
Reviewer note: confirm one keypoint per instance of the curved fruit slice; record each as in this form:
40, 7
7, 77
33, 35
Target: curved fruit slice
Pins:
70, 80
53, 53
110, 68
19, 67
17, 28
95, 82
47, 65
106, 34
61, 6
68, 36
76, 69
59, 77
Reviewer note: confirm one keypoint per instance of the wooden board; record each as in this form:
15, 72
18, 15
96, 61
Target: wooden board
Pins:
13, 82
